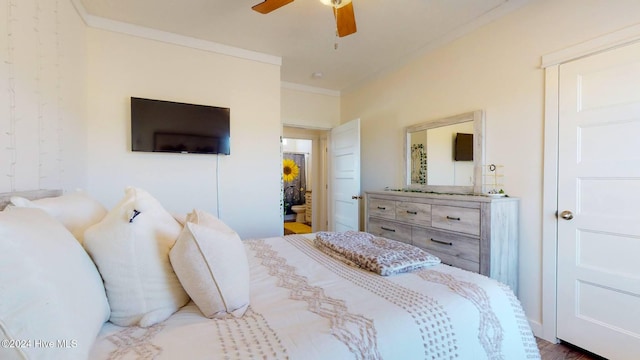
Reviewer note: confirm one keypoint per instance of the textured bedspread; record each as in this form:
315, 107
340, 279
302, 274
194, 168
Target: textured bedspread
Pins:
381, 255
307, 305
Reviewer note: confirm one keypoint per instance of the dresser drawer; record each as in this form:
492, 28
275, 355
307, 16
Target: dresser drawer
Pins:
457, 262
415, 213
456, 219
382, 208
390, 230
453, 249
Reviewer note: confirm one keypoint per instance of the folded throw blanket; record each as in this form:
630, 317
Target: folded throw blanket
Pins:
377, 254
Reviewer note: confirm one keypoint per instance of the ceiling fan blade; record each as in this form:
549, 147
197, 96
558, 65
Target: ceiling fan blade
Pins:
345, 20
268, 6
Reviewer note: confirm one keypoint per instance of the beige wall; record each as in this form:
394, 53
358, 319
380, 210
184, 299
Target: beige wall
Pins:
42, 96
247, 185
305, 108
496, 68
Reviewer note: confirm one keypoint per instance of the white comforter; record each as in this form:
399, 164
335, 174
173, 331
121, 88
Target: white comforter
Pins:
308, 305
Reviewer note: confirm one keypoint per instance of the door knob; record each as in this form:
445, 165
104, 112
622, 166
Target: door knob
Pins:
356, 197
567, 215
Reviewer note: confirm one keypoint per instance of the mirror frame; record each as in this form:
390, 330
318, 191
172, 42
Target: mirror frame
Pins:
478, 153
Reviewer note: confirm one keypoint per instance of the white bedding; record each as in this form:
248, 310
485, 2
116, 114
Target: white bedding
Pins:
308, 305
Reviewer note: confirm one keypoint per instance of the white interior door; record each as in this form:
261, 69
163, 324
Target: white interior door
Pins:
598, 295
344, 187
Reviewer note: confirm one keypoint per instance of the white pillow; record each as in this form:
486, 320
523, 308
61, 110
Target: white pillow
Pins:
211, 263
204, 218
50, 292
181, 218
131, 247
76, 211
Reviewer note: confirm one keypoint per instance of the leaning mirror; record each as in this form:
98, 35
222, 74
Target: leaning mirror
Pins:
446, 155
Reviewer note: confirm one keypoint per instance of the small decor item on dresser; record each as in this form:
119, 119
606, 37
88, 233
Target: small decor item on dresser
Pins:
496, 193
493, 180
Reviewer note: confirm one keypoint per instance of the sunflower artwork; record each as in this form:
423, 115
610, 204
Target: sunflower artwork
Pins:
290, 170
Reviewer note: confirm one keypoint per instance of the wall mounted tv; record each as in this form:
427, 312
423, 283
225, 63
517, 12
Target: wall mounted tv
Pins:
166, 126
464, 147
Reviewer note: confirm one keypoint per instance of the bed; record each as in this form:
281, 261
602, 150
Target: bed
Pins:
307, 304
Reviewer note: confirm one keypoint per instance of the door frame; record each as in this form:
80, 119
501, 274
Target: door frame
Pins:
551, 65
319, 179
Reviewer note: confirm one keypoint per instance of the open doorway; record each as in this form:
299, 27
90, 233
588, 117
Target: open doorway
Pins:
304, 180
297, 184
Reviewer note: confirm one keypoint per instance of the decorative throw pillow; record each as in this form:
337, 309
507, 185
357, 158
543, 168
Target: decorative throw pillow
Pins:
131, 248
52, 301
181, 218
204, 218
76, 211
211, 263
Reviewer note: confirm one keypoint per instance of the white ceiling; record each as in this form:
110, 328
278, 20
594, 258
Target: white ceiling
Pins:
302, 33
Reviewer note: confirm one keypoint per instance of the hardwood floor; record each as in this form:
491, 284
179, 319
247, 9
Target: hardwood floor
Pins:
564, 351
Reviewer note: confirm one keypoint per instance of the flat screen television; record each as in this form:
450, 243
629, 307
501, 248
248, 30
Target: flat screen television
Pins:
464, 147
167, 126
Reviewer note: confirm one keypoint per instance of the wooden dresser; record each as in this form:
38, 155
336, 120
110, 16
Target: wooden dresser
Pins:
476, 233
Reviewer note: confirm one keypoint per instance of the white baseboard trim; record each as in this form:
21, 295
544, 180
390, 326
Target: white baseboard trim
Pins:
538, 331
536, 327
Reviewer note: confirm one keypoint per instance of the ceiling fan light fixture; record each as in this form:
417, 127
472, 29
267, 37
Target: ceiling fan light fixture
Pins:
342, 11
335, 3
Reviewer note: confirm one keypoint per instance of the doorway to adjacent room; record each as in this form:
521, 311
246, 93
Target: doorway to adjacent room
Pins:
304, 180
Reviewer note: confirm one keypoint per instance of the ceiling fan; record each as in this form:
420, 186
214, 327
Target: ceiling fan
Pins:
342, 10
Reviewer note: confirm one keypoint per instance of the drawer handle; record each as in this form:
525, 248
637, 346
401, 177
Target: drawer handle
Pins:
453, 218
388, 229
412, 212
442, 242
382, 208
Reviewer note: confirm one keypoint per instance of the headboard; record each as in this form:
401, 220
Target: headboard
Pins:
31, 195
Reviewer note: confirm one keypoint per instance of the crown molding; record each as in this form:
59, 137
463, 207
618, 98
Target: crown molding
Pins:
309, 89
171, 38
617, 38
